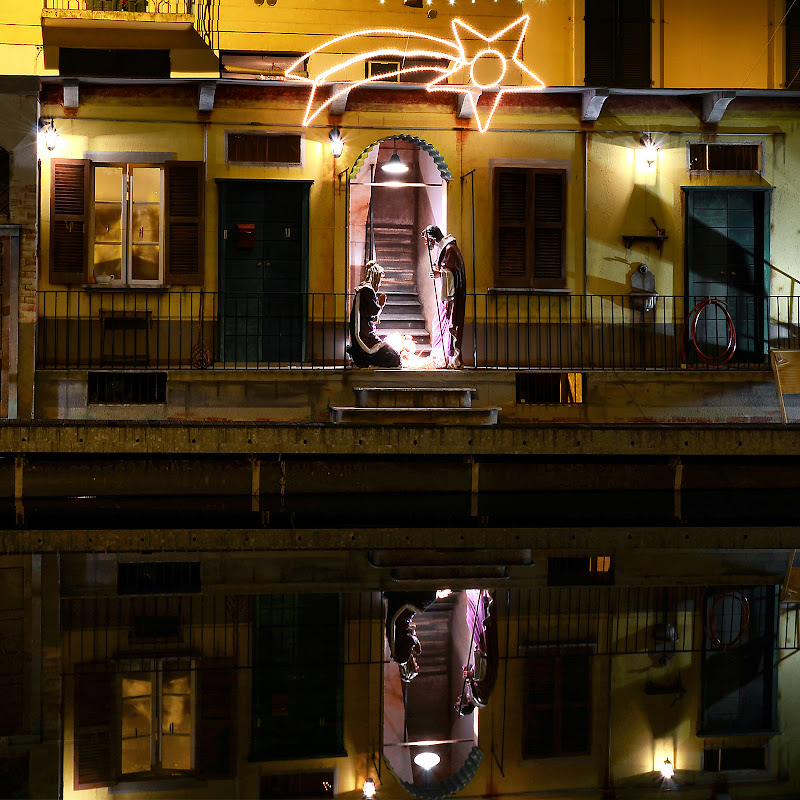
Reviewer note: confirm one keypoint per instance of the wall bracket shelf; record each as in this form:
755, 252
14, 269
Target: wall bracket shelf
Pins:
630, 239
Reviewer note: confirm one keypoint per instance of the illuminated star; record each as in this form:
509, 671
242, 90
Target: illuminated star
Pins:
487, 53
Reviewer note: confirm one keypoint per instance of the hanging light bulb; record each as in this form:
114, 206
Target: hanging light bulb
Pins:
667, 770
426, 760
369, 789
394, 165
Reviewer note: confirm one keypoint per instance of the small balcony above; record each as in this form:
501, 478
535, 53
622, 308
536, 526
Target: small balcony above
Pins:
105, 21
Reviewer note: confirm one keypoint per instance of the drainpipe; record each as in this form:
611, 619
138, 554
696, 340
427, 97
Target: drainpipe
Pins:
608, 782
585, 219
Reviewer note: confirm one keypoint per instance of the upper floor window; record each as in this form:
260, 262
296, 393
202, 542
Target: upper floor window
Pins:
724, 157
88, 62
530, 227
420, 70
260, 66
618, 36
263, 148
129, 224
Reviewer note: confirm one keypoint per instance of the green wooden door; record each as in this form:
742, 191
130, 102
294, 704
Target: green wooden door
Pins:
727, 255
263, 271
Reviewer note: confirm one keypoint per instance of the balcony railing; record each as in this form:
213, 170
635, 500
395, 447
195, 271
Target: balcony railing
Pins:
130, 6
206, 330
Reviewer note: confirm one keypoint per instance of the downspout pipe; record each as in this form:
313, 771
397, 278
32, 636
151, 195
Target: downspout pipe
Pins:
471, 174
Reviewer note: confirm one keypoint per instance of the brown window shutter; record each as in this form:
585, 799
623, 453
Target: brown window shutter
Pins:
69, 207
215, 719
549, 230
792, 25
184, 196
94, 712
511, 214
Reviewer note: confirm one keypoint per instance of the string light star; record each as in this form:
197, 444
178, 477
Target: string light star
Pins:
487, 52
423, 46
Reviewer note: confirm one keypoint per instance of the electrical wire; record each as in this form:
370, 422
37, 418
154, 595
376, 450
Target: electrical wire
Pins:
691, 325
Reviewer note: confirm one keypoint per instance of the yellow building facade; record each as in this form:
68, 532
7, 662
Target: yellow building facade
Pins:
199, 564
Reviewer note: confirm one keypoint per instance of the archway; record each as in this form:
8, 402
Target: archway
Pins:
387, 212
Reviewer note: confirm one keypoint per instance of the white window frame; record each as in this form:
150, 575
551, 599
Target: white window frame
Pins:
155, 667
128, 169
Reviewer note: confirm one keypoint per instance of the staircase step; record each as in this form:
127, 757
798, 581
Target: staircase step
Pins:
410, 397
402, 416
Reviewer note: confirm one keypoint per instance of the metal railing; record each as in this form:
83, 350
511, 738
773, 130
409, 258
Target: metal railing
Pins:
130, 6
207, 330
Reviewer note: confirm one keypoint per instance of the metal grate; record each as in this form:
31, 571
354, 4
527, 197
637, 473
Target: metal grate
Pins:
547, 387
127, 387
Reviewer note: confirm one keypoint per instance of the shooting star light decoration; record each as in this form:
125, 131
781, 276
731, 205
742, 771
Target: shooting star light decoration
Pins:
485, 68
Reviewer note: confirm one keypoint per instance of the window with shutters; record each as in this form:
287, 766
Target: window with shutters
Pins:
126, 224
618, 35
530, 228
558, 706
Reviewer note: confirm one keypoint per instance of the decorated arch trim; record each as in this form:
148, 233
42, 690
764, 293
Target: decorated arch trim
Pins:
437, 157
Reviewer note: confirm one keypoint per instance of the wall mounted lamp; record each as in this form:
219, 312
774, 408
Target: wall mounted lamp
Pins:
650, 149
394, 166
50, 133
369, 789
337, 143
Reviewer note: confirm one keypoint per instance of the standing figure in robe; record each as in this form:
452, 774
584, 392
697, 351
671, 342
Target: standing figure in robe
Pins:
481, 675
448, 266
366, 348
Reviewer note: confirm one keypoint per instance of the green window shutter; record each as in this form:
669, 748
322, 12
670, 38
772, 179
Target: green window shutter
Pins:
184, 200
549, 230
633, 48
618, 43
600, 28
94, 708
511, 214
216, 740
69, 206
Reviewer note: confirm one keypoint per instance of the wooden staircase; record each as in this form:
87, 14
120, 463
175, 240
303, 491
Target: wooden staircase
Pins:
421, 405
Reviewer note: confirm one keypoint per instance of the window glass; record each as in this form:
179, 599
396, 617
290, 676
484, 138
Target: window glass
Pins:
137, 720
145, 223
109, 191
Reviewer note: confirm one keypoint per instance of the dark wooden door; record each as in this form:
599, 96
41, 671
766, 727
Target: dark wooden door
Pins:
727, 255
263, 275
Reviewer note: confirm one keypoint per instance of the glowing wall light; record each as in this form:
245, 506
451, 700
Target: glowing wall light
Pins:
337, 143
50, 134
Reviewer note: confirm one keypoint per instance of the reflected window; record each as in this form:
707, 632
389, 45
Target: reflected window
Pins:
157, 720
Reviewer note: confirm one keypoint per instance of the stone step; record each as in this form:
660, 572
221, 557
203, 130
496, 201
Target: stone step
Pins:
412, 397
408, 316
352, 415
